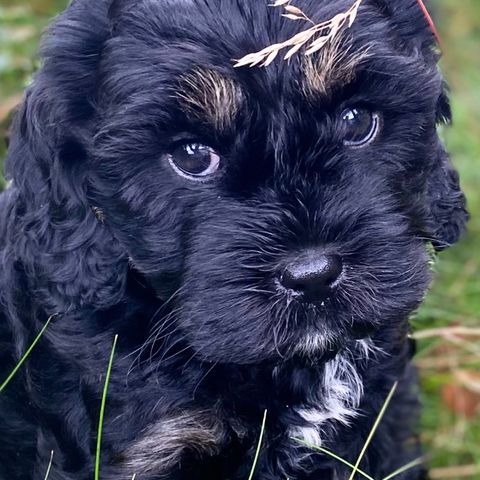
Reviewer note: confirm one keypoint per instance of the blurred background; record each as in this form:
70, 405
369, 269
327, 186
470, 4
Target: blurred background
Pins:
448, 326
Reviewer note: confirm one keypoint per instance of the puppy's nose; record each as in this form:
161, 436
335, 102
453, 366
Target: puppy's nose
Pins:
313, 275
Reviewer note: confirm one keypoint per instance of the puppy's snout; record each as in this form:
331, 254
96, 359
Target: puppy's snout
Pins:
312, 275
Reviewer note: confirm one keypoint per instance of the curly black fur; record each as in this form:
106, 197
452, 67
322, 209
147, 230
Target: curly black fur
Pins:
97, 228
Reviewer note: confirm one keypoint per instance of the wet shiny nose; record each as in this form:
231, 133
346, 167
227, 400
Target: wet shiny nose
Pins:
313, 275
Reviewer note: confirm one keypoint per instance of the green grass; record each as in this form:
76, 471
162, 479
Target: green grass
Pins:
374, 429
47, 473
102, 409
102, 404
10, 377
259, 445
451, 439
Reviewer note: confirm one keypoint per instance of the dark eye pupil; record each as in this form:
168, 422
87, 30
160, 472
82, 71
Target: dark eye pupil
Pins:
193, 158
360, 126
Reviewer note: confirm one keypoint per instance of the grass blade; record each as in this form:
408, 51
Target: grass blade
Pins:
333, 455
26, 354
259, 446
373, 430
407, 467
47, 474
102, 409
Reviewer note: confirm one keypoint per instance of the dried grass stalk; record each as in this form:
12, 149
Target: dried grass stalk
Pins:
314, 38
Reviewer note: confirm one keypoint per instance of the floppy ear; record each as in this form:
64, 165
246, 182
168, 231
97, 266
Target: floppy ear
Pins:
447, 204
445, 201
70, 259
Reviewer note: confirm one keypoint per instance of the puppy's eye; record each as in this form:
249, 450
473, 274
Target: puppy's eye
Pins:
360, 126
194, 161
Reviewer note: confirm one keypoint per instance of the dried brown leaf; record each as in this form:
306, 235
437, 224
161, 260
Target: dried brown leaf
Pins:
462, 395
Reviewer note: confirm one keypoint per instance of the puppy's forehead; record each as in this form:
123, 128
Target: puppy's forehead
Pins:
190, 48
233, 29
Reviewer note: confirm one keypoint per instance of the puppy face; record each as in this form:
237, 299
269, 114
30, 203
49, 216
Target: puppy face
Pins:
282, 211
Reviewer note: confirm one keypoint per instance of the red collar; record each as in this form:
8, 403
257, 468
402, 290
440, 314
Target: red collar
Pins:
429, 20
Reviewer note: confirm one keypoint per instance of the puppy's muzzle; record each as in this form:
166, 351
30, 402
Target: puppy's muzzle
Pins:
312, 275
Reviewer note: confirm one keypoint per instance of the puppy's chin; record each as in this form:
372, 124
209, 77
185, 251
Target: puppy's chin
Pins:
310, 348
315, 347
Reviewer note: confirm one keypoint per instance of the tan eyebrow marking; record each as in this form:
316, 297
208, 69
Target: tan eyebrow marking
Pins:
336, 63
209, 95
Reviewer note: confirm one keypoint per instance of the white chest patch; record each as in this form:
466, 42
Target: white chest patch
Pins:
341, 394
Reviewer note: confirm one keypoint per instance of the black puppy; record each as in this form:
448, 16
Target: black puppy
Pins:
256, 236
